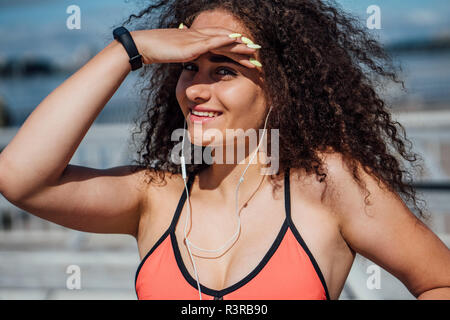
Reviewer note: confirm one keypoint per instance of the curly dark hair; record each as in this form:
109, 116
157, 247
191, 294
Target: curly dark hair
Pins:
321, 69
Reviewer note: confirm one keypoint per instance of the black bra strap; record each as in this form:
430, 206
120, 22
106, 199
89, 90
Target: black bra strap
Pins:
287, 194
287, 197
181, 202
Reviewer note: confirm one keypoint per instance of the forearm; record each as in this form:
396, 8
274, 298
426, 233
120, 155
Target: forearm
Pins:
49, 137
435, 294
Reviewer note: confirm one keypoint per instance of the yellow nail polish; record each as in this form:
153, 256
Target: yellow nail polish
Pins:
255, 62
253, 46
235, 35
181, 26
246, 40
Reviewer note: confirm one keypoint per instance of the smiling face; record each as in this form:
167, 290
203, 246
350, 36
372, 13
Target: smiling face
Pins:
212, 83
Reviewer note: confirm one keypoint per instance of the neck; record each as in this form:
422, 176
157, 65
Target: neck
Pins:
223, 179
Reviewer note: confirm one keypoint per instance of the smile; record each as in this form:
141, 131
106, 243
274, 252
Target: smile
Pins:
196, 116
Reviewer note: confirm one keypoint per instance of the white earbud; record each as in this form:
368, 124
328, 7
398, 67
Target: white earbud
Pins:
241, 179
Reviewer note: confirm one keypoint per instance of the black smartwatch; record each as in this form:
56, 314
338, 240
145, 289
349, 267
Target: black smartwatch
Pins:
122, 35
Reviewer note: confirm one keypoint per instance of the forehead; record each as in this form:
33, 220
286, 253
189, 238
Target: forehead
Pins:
218, 18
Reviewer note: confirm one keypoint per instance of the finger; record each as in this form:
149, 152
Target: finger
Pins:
237, 48
243, 59
219, 31
213, 31
217, 42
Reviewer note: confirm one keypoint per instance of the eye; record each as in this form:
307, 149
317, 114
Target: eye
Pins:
186, 66
228, 72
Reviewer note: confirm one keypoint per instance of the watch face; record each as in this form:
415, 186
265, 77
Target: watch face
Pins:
119, 31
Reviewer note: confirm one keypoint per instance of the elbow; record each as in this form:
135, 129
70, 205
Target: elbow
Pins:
7, 192
2, 183
13, 195
9, 186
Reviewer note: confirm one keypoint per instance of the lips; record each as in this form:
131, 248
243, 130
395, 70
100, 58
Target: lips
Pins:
203, 117
203, 109
203, 114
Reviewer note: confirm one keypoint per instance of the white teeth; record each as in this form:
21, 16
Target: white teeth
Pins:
205, 114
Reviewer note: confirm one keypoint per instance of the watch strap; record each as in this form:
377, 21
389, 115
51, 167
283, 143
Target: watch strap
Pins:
122, 35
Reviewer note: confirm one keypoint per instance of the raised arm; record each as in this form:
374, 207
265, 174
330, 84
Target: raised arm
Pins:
42, 148
34, 170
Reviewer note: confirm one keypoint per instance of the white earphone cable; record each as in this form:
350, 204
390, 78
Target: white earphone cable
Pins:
183, 170
241, 179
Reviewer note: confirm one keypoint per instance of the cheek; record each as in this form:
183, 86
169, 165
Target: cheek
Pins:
241, 100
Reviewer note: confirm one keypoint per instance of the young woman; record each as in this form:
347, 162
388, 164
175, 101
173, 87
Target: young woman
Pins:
337, 190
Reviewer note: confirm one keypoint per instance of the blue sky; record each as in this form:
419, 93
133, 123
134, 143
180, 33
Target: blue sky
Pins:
38, 26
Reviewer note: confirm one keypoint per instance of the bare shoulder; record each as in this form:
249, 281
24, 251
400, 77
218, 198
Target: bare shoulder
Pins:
343, 192
376, 223
309, 192
323, 191
338, 197
351, 200
157, 186
314, 214
162, 192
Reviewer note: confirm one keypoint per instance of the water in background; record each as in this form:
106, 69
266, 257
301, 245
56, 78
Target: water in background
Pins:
427, 80
23, 94
40, 32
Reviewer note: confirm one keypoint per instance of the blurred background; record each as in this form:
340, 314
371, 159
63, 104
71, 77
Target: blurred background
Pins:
38, 52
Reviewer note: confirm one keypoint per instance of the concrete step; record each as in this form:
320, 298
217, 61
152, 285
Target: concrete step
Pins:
49, 269
29, 240
65, 294
359, 284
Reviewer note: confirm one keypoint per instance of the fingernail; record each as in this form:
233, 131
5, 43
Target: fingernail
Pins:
235, 35
246, 40
255, 62
181, 26
253, 46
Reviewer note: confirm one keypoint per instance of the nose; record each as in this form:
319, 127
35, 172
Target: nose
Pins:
198, 90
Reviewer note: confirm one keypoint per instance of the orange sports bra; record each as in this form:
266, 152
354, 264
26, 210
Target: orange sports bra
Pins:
288, 271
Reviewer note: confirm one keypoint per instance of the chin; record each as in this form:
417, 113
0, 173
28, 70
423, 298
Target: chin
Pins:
213, 137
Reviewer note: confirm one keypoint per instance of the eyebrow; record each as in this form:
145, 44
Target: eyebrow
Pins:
219, 58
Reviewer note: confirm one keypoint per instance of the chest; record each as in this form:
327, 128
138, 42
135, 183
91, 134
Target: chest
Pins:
262, 228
